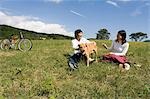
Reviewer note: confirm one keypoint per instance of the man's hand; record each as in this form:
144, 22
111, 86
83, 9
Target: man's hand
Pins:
105, 46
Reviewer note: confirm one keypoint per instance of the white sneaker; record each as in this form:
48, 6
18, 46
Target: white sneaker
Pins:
127, 66
71, 65
120, 66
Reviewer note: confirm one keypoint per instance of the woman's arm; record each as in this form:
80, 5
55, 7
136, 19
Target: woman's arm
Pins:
111, 47
104, 45
108, 48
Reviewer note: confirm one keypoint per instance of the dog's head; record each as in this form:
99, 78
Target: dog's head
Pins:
82, 47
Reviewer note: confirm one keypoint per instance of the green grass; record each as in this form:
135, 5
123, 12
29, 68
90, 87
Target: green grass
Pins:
43, 73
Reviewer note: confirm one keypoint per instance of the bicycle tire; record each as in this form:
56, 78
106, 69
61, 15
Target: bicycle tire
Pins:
5, 44
25, 45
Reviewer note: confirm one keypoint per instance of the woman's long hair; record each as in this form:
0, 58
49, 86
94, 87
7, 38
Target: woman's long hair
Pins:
123, 34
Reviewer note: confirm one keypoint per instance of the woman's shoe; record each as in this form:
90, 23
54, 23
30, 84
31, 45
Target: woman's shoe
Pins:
120, 66
126, 66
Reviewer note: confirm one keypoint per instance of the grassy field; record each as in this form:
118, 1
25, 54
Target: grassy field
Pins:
42, 73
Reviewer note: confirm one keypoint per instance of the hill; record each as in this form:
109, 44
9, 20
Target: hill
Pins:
147, 41
6, 31
42, 73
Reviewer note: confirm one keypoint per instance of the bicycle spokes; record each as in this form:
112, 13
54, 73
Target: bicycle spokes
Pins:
25, 45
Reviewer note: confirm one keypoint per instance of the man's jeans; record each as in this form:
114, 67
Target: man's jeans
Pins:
74, 59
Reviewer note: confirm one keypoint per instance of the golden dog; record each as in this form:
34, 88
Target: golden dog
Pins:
87, 49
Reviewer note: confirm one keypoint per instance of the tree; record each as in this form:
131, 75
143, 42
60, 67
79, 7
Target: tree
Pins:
139, 36
103, 34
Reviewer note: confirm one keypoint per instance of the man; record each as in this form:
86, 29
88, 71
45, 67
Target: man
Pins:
74, 59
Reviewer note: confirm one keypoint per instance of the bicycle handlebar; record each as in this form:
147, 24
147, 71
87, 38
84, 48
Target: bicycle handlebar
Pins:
21, 35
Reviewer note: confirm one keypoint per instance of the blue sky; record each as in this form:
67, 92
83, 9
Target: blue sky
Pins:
65, 16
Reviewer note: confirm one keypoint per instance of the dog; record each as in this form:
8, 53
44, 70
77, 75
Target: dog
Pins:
87, 49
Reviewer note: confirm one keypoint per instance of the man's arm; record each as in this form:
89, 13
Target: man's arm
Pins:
75, 45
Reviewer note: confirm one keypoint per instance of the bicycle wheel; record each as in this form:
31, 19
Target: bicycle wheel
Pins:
5, 44
25, 45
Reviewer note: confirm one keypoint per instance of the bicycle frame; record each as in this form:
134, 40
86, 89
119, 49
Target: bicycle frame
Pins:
20, 43
21, 35
18, 40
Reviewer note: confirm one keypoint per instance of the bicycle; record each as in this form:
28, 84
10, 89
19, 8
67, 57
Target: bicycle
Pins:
20, 43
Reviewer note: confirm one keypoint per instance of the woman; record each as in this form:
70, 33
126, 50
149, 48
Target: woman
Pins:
118, 51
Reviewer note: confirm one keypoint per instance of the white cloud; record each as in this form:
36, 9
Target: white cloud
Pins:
136, 12
55, 1
125, 0
76, 13
112, 3
33, 24
147, 4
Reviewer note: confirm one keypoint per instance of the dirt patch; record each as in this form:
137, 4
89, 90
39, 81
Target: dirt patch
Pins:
6, 54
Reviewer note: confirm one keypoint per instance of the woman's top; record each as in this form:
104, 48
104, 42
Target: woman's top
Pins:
119, 49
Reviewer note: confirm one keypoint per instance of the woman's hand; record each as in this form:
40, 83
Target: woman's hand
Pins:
105, 46
111, 53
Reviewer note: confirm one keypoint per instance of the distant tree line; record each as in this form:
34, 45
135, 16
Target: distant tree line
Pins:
6, 31
139, 36
104, 34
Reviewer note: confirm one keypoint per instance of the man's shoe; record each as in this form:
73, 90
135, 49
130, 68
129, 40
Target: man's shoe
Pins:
71, 65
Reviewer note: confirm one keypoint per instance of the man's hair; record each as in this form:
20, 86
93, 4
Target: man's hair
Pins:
77, 32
